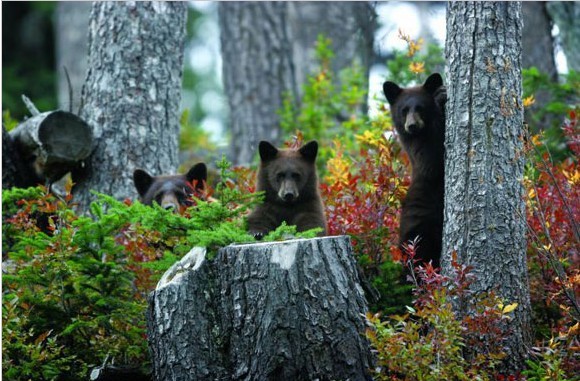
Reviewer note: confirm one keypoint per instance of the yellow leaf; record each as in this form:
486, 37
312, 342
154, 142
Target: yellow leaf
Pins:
417, 67
529, 101
509, 308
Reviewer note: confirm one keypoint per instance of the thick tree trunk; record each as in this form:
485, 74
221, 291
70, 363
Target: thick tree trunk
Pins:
566, 14
268, 51
273, 311
538, 51
257, 71
484, 208
537, 41
132, 93
72, 28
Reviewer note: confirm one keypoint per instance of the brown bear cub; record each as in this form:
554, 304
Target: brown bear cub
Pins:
171, 191
419, 117
290, 184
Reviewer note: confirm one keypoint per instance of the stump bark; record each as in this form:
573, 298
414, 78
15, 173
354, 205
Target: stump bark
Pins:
290, 310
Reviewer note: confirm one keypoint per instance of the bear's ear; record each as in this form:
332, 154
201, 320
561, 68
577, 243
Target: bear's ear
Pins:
309, 151
267, 151
198, 173
142, 181
433, 83
392, 91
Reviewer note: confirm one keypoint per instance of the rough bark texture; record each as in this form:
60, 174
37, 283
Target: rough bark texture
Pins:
72, 23
257, 71
566, 14
132, 92
484, 208
273, 311
53, 143
268, 51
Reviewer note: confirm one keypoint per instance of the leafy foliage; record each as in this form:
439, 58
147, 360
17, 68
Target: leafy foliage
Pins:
75, 286
430, 342
75, 291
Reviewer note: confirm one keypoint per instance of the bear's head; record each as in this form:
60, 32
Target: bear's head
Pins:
288, 175
412, 109
171, 191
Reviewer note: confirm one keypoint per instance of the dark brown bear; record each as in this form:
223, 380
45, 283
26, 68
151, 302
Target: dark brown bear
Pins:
171, 191
419, 117
289, 181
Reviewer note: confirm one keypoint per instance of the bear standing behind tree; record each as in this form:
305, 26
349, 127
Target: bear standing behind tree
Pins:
290, 184
419, 117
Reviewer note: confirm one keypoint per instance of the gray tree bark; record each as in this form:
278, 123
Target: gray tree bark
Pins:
72, 27
132, 92
566, 14
484, 215
268, 51
257, 70
272, 311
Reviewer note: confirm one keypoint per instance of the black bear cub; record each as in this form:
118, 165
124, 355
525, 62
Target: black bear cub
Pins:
289, 181
171, 191
419, 117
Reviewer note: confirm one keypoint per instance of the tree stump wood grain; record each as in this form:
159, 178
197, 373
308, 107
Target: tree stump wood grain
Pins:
288, 310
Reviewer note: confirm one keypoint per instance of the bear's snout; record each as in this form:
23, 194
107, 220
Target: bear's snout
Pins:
169, 202
288, 191
413, 123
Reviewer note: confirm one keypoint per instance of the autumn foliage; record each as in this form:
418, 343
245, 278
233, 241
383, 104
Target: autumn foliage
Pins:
75, 281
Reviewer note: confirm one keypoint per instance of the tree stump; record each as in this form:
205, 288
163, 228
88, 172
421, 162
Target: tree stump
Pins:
290, 310
53, 143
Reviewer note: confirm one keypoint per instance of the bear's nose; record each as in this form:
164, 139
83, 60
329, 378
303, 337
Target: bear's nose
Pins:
169, 206
289, 197
412, 128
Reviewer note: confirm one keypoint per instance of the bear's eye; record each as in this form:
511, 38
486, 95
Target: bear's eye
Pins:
295, 176
405, 110
279, 177
419, 109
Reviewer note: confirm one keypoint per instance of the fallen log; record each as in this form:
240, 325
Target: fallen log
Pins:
52, 143
290, 310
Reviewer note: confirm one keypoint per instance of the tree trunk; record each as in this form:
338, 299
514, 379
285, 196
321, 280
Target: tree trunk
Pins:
538, 51
537, 41
484, 207
350, 26
273, 311
257, 71
132, 92
268, 51
72, 24
566, 14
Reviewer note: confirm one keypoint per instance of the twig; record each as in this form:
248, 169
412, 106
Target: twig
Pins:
70, 90
30, 106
